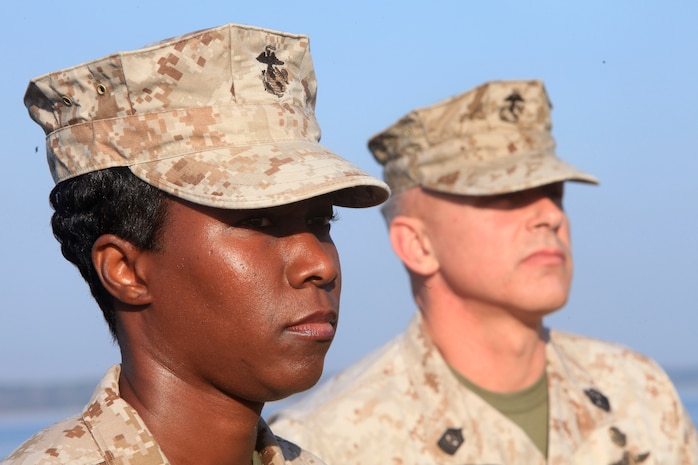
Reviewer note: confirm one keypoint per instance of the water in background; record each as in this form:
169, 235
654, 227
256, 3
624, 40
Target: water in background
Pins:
15, 429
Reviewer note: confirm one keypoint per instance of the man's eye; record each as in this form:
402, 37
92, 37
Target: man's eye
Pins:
557, 199
496, 201
256, 222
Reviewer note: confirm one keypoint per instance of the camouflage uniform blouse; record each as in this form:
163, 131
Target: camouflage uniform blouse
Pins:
402, 405
109, 431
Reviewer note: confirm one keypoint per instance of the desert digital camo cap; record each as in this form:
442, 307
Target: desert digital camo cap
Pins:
491, 140
221, 117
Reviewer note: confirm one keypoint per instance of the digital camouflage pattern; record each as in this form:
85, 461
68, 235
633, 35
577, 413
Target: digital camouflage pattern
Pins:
110, 432
222, 117
403, 405
493, 139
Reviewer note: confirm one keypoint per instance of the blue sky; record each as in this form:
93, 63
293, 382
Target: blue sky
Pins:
622, 79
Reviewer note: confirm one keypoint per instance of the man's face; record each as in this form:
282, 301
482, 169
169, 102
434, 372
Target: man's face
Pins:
244, 301
510, 251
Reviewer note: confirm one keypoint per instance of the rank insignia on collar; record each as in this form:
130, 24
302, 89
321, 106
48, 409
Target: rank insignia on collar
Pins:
451, 440
598, 399
619, 439
617, 436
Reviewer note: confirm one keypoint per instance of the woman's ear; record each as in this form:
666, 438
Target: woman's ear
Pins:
119, 265
412, 245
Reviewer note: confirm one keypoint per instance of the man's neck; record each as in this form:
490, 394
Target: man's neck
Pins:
493, 348
191, 426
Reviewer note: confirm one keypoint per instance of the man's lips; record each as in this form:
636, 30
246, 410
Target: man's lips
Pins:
547, 256
319, 326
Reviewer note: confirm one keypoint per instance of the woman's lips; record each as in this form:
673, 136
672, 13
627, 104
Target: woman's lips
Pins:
319, 326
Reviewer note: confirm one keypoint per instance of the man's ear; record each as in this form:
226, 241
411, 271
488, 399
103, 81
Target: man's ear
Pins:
412, 245
119, 265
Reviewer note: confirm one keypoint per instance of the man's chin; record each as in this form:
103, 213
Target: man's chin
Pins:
533, 315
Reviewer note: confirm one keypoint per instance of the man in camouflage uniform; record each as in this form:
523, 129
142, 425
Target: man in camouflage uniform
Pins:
195, 199
476, 217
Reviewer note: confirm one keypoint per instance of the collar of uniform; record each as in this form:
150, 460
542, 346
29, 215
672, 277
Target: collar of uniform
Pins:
447, 405
116, 427
123, 437
573, 414
277, 451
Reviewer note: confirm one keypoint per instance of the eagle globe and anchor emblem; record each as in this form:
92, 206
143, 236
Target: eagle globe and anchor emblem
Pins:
275, 79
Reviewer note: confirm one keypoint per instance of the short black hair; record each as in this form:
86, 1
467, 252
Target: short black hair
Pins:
108, 201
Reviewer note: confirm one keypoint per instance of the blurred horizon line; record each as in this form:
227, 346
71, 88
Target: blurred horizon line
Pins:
39, 396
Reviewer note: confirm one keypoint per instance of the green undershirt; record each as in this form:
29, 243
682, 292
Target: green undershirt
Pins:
528, 407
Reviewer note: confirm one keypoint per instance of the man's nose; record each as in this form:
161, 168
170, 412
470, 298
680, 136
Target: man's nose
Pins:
547, 212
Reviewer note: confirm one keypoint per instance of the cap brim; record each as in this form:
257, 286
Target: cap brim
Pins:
263, 176
503, 176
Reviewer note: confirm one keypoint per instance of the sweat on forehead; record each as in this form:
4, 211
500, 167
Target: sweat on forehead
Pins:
222, 117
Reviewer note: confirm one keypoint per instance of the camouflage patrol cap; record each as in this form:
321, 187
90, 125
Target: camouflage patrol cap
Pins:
222, 117
491, 140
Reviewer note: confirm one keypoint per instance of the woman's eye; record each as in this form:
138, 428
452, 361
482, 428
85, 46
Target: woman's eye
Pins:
256, 222
323, 220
